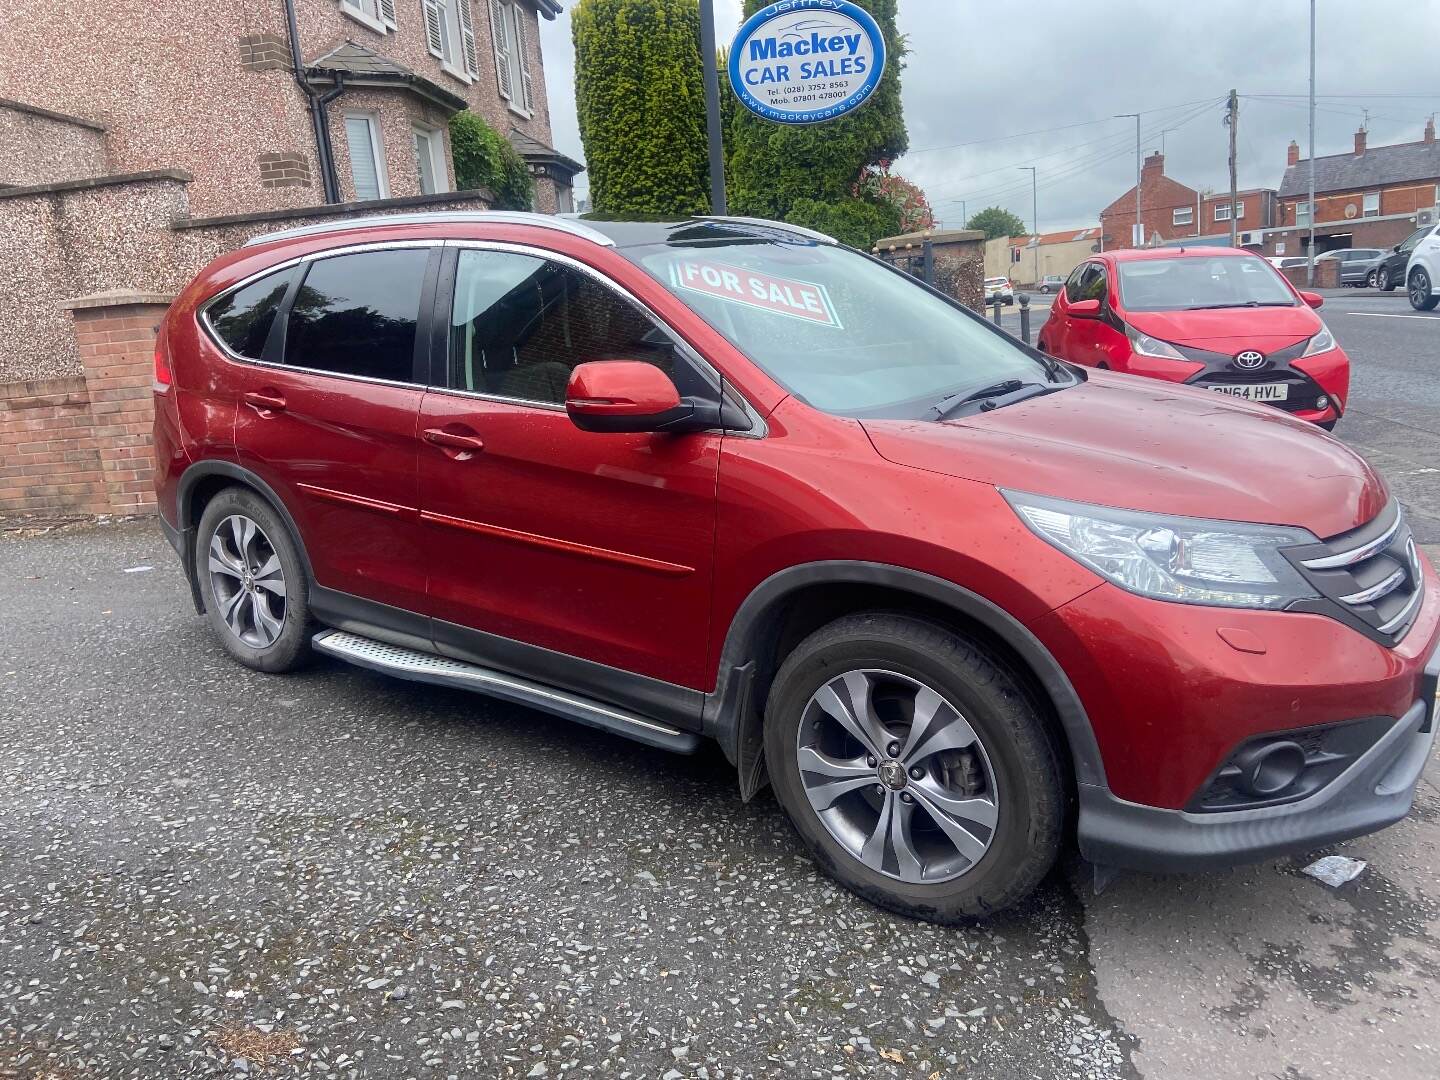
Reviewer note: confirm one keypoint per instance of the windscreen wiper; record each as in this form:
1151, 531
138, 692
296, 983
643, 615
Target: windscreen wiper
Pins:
1245, 303
948, 404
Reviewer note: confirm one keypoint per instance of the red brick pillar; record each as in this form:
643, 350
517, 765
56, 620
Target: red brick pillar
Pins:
116, 334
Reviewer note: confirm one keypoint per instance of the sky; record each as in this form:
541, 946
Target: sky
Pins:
987, 75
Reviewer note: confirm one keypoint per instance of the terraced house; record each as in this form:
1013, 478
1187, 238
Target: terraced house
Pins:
140, 138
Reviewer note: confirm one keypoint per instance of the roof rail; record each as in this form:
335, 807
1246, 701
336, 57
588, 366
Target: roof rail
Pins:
778, 226
441, 217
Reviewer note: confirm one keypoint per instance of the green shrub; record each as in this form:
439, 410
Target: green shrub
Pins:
640, 100
485, 159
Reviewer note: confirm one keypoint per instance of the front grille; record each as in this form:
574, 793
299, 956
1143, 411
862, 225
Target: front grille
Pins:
1305, 392
1370, 577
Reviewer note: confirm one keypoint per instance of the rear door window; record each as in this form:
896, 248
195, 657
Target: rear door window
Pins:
357, 314
242, 319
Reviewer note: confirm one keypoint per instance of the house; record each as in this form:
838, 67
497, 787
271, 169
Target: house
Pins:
141, 138
1170, 210
212, 88
1373, 196
1027, 259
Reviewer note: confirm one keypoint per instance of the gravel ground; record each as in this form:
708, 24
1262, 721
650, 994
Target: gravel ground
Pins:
207, 871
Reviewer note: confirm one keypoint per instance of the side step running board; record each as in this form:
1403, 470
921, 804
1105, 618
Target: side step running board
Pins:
427, 667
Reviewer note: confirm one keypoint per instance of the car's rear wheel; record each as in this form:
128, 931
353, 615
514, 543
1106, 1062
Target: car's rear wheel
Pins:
1419, 289
1383, 281
253, 582
917, 767
1370, 280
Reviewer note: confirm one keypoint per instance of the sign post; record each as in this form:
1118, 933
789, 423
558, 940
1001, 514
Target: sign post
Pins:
807, 61
718, 204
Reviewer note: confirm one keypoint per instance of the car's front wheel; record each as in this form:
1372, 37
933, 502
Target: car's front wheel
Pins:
1419, 289
253, 582
916, 766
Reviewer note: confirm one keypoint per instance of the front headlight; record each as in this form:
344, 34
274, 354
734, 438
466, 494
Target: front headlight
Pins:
1146, 345
1321, 342
1185, 560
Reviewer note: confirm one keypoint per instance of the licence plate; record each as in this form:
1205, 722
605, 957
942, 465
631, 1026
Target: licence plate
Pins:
1256, 391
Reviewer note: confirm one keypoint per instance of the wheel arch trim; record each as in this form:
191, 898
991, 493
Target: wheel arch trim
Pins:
735, 719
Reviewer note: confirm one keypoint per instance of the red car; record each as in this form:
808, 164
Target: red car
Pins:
726, 479
1217, 318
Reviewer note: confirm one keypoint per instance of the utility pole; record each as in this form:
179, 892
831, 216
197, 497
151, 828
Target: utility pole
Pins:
1034, 217
1138, 239
712, 108
1310, 262
1231, 120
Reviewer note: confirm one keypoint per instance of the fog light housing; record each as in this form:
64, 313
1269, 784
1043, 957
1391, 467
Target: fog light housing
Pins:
1286, 766
1322, 402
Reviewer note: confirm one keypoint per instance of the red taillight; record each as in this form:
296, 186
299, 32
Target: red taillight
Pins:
164, 377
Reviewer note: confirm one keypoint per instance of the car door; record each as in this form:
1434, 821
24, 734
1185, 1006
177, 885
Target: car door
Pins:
1055, 337
1086, 334
544, 539
329, 421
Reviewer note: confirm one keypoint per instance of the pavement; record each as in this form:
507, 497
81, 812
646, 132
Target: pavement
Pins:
205, 871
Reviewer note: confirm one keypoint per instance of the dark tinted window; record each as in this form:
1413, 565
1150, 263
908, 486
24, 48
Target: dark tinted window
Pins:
356, 314
1072, 283
519, 325
242, 320
1095, 284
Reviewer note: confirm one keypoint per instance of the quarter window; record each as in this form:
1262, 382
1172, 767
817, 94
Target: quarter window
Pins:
242, 319
356, 315
519, 326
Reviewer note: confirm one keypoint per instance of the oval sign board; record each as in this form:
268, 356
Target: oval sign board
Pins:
807, 61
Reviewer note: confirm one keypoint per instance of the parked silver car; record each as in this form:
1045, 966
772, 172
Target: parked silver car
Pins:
1356, 264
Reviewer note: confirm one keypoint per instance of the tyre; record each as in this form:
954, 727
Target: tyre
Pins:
1371, 279
253, 582
1419, 290
917, 768
1383, 280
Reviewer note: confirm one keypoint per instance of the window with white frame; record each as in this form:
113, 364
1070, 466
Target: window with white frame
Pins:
1370, 204
1222, 211
1182, 215
367, 162
429, 147
1302, 213
378, 15
450, 36
1239, 209
509, 30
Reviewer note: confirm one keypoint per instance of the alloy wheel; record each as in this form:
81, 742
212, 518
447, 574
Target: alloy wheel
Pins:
248, 581
897, 776
1382, 280
1419, 289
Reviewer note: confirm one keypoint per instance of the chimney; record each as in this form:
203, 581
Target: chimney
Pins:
1155, 164
1430, 130
1292, 156
1360, 141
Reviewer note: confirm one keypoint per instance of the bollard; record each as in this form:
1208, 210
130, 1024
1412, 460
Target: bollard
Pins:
995, 311
1024, 301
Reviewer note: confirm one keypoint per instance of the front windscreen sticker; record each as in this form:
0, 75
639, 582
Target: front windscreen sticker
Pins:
780, 296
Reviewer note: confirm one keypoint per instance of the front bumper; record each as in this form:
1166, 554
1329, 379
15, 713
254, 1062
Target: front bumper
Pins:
1376, 791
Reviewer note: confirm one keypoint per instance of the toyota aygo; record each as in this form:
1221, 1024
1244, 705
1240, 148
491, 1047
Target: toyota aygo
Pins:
956, 601
1217, 318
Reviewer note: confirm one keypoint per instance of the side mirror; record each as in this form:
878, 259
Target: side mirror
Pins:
1315, 300
1085, 309
629, 396
1396, 249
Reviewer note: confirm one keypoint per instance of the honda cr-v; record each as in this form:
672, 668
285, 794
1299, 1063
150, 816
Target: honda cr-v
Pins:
725, 479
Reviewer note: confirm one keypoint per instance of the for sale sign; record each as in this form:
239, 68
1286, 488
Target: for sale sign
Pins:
807, 300
805, 61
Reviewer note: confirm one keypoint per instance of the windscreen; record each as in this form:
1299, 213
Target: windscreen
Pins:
1192, 283
843, 333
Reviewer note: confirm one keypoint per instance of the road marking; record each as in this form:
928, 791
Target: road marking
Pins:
1387, 315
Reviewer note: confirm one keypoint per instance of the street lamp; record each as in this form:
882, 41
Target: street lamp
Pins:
1034, 216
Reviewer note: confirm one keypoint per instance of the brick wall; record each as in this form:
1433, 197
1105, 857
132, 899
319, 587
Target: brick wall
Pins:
82, 444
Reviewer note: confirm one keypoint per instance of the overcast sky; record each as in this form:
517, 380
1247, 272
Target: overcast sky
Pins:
984, 74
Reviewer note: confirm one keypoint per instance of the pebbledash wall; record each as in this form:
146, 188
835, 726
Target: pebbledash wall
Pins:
75, 376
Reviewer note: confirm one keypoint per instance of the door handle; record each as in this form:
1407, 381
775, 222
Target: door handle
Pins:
265, 401
464, 445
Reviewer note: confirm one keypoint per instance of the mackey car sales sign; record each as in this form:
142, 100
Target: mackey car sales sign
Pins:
807, 61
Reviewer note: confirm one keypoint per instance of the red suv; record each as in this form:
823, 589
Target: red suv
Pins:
726, 479
1217, 318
